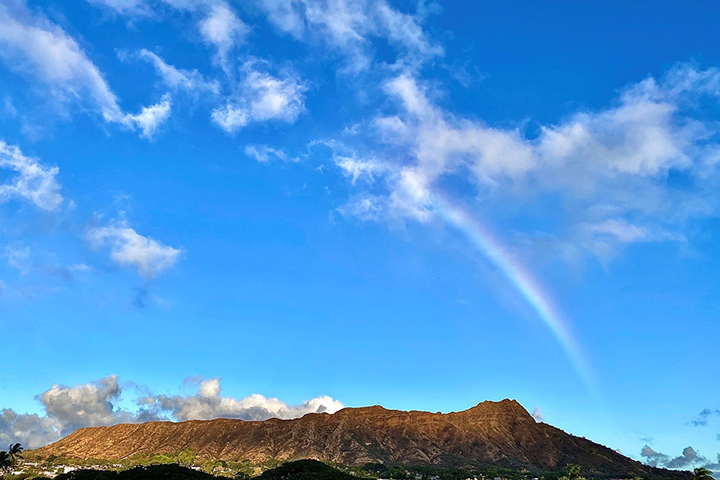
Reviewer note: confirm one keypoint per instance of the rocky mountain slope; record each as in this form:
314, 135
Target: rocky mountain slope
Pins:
491, 433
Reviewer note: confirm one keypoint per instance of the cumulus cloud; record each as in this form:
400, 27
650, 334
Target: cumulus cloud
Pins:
67, 409
127, 247
85, 405
34, 182
653, 458
689, 458
262, 97
620, 167
208, 403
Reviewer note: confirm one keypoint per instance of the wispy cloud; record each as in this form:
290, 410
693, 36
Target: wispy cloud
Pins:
34, 182
35, 47
349, 27
190, 81
223, 29
264, 153
704, 417
150, 118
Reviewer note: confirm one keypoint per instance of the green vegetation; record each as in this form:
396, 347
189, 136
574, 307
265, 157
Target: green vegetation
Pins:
188, 465
702, 474
9, 459
154, 472
305, 470
572, 472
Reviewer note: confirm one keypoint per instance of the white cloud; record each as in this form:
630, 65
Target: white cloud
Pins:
356, 168
263, 153
615, 166
34, 182
32, 45
127, 247
208, 403
177, 79
218, 24
126, 7
18, 258
150, 118
230, 118
83, 405
67, 409
365, 208
350, 26
222, 28
273, 98
262, 97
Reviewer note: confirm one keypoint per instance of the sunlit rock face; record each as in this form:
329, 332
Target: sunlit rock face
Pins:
499, 433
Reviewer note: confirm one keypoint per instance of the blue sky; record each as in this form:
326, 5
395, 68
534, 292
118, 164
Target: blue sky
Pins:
266, 208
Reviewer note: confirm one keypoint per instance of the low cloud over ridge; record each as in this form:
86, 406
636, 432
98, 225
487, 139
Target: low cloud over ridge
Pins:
98, 404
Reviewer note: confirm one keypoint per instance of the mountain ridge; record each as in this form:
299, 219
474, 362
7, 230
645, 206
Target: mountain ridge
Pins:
490, 433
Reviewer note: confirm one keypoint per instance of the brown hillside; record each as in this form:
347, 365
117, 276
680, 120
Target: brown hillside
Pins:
491, 433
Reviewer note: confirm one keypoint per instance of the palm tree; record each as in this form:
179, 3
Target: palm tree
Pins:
702, 473
572, 472
15, 451
9, 459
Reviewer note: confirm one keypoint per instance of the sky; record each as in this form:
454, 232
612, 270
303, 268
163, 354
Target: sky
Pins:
216, 208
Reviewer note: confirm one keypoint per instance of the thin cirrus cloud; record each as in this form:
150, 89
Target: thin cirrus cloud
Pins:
128, 248
349, 27
35, 47
219, 25
593, 160
125, 7
264, 153
67, 409
344, 26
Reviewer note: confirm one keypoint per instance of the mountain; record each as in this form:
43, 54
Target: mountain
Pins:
501, 434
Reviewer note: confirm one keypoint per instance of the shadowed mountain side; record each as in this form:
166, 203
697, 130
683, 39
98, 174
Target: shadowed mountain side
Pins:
491, 433
300, 470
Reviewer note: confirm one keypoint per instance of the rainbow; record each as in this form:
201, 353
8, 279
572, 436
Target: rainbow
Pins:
487, 243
